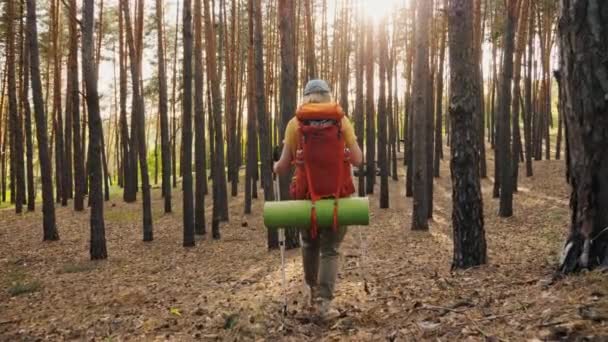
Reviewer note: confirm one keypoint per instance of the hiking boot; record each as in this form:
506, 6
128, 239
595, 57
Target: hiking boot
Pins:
326, 311
314, 295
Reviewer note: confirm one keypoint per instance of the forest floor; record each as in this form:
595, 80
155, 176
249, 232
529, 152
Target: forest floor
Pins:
398, 287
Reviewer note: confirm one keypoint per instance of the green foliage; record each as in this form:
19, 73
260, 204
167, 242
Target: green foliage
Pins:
231, 321
19, 288
78, 267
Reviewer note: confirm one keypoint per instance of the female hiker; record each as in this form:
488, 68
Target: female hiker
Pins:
320, 142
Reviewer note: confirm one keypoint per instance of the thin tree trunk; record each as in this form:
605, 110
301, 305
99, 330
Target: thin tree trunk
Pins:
48, 208
522, 34
13, 111
311, 67
73, 105
504, 125
163, 108
370, 142
139, 127
31, 189
528, 98
186, 164
382, 109
174, 102
3, 135
220, 203
129, 193
97, 248
199, 123
359, 104
439, 98
480, 115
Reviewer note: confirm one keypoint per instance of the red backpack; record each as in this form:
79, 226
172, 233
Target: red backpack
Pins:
322, 161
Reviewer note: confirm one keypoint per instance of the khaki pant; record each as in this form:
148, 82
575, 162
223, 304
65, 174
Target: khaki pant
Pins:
320, 259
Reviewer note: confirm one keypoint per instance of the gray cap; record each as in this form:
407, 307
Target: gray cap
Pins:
316, 86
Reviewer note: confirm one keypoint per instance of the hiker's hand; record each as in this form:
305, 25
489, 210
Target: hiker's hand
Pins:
275, 167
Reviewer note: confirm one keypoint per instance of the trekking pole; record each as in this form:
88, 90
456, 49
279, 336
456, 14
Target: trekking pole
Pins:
277, 196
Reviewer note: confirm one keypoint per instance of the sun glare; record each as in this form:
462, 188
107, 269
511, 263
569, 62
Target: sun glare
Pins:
378, 9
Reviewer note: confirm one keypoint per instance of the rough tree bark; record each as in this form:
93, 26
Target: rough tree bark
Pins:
288, 91
583, 38
220, 202
467, 206
186, 164
311, 65
16, 132
420, 115
370, 141
129, 194
74, 109
359, 104
528, 97
382, 122
163, 109
25, 103
199, 123
439, 98
97, 249
522, 35
48, 207
503, 122
139, 127
260, 101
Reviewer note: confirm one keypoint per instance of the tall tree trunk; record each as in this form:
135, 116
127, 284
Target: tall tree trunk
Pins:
174, 101
252, 149
528, 98
231, 101
311, 67
264, 139
439, 97
129, 194
25, 103
504, 125
391, 106
188, 203
522, 35
163, 109
220, 202
382, 124
13, 110
97, 248
583, 70
286, 13
408, 120
48, 208
422, 78
370, 141
199, 123
359, 104
60, 163
3, 135
139, 127
73, 104
478, 57
467, 206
